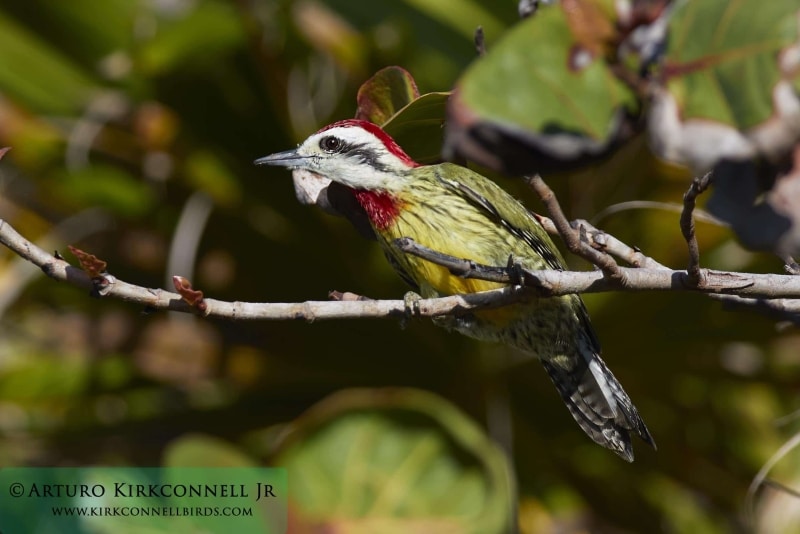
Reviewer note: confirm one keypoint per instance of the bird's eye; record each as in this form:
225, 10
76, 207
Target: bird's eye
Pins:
330, 144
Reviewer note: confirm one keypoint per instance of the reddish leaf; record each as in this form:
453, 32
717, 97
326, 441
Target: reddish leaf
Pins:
91, 264
193, 297
3, 151
386, 93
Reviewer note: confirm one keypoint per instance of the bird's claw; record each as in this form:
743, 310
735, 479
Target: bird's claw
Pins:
516, 273
411, 305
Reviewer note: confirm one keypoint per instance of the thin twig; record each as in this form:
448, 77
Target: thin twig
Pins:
572, 236
761, 476
700, 215
605, 242
613, 246
782, 309
554, 283
480, 41
787, 419
791, 266
159, 299
699, 184
19, 273
774, 484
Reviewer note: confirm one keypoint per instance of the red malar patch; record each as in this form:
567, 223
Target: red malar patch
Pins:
381, 207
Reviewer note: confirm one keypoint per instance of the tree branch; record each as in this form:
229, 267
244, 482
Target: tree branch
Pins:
572, 236
739, 288
791, 266
555, 283
159, 299
699, 184
613, 246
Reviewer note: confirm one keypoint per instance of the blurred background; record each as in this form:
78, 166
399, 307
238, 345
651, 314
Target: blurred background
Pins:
133, 126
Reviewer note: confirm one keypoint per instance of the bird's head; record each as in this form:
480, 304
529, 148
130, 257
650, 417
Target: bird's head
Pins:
354, 153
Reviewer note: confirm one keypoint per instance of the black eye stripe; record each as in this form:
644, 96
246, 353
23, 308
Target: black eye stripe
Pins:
361, 152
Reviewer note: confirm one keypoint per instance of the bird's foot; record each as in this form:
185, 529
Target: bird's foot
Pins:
516, 273
411, 304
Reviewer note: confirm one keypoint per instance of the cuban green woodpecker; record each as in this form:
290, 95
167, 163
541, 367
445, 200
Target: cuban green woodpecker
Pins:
453, 210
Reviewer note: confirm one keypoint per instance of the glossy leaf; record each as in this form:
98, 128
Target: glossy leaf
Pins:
543, 96
729, 82
418, 127
394, 461
727, 75
389, 90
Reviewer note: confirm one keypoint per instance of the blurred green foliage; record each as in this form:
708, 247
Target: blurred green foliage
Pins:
120, 112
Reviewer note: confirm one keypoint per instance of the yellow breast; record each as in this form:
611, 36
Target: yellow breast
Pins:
436, 280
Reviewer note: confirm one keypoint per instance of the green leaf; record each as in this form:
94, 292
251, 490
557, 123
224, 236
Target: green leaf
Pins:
418, 127
722, 58
391, 99
458, 14
729, 82
105, 186
146, 524
395, 460
543, 95
208, 31
206, 451
91, 30
38, 75
43, 378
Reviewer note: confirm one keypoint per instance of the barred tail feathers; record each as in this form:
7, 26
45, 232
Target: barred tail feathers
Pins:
598, 403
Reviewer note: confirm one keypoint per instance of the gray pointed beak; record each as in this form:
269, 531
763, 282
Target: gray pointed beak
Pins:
289, 158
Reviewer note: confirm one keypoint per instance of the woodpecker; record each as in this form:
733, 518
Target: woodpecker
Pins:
453, 210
